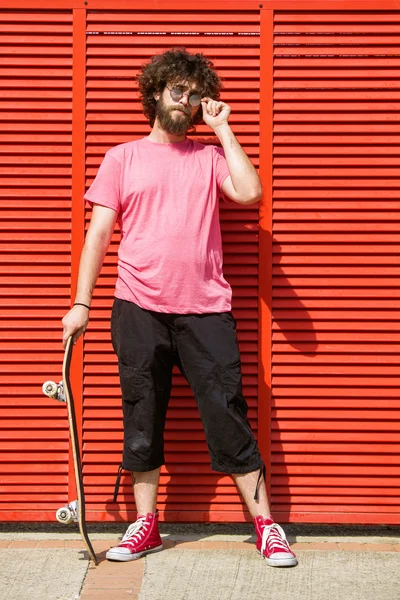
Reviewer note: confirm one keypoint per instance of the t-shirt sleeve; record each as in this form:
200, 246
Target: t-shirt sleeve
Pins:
222, 171
105, 189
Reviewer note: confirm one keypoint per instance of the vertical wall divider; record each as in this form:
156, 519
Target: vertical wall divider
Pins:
78, 207
265, 240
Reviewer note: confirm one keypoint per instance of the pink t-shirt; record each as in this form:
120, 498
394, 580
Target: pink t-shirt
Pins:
166, 197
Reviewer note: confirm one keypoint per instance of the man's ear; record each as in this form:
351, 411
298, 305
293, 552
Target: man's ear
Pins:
156, 95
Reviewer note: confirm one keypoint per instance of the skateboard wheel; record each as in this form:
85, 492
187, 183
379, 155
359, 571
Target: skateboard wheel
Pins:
64, 515
50, 388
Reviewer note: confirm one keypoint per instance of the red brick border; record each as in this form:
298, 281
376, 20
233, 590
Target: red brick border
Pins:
103, 545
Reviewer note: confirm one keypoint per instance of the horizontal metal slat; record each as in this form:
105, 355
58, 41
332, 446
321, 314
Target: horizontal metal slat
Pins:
290, 360
340, 460
146, 47
359, 38
338, 28
173, 17
339, 448
334, 323
300, 254
202, 42
182, 27
337, 16
326, 61
330, 499
337, 50
326, 350
344, 471
355, 389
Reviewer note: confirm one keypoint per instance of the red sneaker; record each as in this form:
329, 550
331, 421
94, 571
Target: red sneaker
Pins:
140, 538
272, 544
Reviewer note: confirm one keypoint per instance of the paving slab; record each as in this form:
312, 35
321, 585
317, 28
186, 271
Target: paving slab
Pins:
41, 573
237, 574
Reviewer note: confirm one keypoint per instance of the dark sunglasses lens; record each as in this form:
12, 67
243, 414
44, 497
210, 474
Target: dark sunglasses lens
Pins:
194, 100
176, 93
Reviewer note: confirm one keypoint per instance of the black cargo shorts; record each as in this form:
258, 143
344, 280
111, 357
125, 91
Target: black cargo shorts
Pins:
205, 349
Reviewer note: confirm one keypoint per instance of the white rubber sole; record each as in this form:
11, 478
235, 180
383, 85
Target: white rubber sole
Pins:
126, 557
282, 562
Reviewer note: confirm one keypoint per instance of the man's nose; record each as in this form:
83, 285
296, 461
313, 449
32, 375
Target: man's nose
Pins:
184, 100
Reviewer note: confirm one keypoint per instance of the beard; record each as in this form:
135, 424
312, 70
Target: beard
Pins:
176, 124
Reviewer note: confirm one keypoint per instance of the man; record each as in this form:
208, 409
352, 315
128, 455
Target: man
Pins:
172, 304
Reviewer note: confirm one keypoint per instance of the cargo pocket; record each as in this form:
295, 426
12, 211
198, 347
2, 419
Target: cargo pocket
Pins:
130, 386
116, 314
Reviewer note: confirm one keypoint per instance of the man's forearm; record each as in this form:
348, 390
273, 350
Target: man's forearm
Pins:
91, 261
243, 174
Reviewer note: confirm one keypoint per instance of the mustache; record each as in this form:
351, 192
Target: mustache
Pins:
171, 108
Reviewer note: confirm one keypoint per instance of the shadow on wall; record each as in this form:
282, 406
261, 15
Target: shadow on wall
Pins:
293, 341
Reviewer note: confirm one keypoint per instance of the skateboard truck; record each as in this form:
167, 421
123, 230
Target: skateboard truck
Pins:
54, 390
68, 514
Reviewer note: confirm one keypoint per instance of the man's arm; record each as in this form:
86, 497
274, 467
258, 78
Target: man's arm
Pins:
97, 241
243, 185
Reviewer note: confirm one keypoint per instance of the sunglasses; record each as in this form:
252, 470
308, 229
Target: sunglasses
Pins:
177, 93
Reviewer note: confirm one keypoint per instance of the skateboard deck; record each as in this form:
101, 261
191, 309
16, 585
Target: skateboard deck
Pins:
74, 511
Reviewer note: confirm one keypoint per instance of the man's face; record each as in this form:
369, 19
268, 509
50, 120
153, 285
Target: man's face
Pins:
176, 116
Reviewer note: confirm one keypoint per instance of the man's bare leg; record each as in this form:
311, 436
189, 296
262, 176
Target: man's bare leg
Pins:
143, 536
246, 482
145, 487
275, 548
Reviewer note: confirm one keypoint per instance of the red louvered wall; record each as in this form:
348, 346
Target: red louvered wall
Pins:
35, 255
314, 273
335, 274
117, 45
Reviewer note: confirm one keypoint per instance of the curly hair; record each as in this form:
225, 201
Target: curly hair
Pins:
172, 66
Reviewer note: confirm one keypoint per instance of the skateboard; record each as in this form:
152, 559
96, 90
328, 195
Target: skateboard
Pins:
73, 512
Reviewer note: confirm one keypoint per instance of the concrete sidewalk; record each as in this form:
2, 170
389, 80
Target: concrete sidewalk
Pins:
200, 562
243, 575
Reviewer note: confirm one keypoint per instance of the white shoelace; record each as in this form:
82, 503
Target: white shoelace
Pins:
276, 541
135, 530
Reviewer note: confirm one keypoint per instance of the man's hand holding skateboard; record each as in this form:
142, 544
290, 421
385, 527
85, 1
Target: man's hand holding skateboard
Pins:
75, 323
